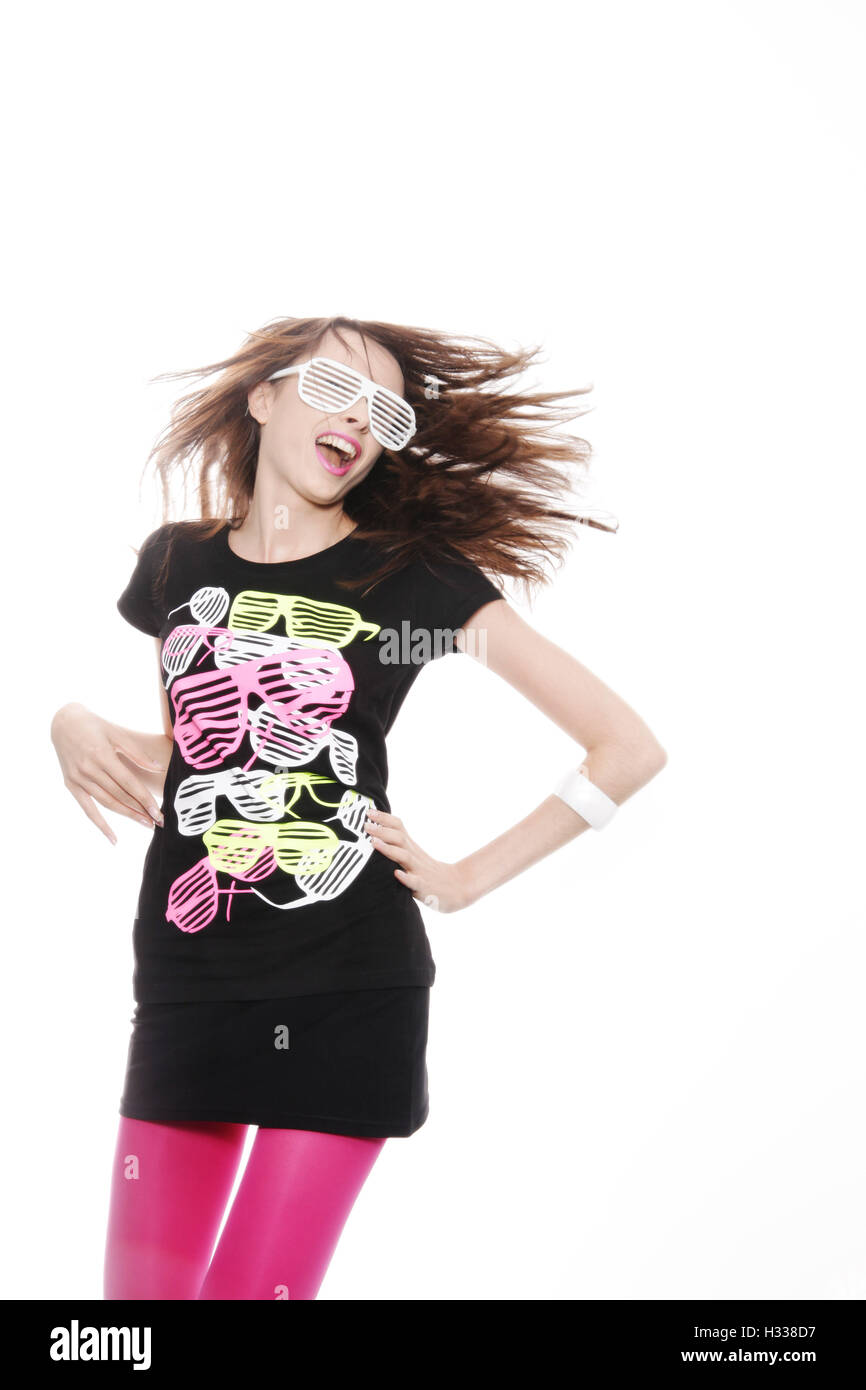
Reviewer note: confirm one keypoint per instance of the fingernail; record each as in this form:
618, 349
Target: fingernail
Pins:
145, 821
155, 812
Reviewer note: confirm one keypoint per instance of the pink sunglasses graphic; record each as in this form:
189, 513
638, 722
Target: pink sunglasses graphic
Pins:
305, 688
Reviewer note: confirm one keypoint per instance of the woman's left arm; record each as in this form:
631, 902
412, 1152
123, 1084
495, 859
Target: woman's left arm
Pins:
622, 755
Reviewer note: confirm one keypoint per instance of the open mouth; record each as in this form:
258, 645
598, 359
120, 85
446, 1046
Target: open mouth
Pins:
337, 451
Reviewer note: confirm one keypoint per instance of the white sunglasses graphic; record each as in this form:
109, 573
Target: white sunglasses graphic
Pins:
332, 386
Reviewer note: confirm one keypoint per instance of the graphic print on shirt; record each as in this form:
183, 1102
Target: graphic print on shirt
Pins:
302, 684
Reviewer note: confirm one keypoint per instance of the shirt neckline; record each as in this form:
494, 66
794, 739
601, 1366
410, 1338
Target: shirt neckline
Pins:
317, 555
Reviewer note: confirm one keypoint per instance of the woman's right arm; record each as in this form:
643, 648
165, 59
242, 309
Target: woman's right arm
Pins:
93, 756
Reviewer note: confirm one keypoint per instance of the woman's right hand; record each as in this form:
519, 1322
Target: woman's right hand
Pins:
89, 750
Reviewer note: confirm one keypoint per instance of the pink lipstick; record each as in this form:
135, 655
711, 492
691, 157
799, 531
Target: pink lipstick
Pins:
337, 452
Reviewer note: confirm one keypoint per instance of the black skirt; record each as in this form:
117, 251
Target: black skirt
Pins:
348, 1063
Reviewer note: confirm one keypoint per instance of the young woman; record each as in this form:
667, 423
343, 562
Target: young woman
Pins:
355, 481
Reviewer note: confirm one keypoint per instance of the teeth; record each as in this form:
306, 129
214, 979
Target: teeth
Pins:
337, 443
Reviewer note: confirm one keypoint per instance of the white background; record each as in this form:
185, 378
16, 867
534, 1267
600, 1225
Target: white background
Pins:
646, 1053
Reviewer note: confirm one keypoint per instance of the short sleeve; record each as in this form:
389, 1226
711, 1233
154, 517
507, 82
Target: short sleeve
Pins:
449, 593
138, 603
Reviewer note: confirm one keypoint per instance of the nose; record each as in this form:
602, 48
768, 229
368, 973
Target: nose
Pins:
358, 415
355, 422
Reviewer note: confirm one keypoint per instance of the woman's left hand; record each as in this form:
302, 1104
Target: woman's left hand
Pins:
438, 885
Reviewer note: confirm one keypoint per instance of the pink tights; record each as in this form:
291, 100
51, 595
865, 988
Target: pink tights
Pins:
169, 1190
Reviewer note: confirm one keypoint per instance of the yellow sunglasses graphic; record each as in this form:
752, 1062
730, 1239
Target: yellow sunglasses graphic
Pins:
236, 846
309, 620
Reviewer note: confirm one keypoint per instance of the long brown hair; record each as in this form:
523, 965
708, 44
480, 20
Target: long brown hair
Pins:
484, 478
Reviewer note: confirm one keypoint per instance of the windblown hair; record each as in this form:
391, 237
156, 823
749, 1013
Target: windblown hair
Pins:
484, 479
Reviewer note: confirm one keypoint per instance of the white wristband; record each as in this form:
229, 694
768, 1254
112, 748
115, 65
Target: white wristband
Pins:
586, 799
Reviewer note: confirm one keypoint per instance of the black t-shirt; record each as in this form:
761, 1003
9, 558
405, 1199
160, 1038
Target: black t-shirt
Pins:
282, 687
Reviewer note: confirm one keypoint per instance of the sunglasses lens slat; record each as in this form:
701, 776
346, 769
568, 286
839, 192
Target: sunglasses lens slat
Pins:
389, 416
331, 383
324, 398
388, 410
393, 432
